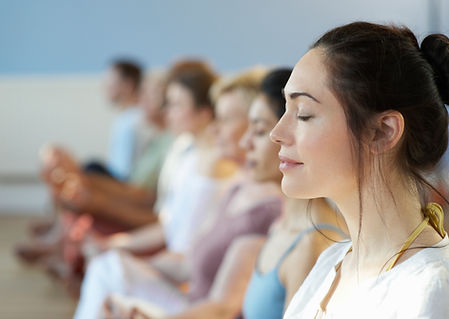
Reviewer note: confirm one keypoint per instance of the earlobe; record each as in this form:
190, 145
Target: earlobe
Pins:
387, 132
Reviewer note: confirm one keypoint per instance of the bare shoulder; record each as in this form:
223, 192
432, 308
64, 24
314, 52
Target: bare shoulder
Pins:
246, 244
303, 257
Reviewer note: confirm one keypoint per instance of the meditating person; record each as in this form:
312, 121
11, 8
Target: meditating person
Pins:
170, 266
123, 89
113, 204
128, 204
365, 118
294, 242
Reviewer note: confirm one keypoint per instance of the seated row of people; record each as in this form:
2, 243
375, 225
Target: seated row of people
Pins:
219, 267
217, 238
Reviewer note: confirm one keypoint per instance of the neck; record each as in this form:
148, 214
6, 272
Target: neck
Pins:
202, 136
304, 213
388, 217
158, 122
129, 101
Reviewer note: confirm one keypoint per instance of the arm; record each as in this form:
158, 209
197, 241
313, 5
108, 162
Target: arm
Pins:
143, 239
121, 190
172, 266
229, 287
113, 208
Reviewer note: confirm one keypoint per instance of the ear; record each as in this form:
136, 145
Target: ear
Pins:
387, 131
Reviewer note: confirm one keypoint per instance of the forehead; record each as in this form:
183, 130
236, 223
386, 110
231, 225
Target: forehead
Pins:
176, 89
260, 110
309, 74
177, 93
231, 103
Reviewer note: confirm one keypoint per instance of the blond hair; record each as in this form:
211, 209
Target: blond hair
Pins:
247, 83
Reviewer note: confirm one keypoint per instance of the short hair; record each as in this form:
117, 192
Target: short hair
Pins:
246, 82
130, 71
195, 75
272, 87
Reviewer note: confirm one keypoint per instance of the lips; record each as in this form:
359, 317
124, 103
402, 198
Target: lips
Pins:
288, 163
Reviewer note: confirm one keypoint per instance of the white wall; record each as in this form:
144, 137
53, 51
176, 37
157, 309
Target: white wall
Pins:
55, 40
69, 109
66, 110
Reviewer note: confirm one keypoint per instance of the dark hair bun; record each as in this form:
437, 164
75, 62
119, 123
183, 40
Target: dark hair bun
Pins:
435, 48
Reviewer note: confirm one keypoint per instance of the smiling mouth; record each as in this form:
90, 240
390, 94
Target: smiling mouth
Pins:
288, 163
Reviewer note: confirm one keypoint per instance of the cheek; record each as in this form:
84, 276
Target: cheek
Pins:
178, 119
227, 136
328, 166
186, 117
224, 135
333, 149
238, 131
269, 160
172, 117
231, 135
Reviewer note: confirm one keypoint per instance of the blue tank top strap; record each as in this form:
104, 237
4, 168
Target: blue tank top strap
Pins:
305, 232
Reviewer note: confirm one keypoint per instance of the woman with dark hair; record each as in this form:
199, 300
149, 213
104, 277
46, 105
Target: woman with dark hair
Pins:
364, 120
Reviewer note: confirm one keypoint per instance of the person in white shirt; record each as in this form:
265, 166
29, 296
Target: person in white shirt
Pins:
364, 120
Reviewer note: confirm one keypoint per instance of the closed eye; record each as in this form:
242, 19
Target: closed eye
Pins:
304, 118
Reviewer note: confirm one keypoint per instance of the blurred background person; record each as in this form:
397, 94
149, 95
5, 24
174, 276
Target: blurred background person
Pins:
294, 242
159, 276
123, 85
114, 205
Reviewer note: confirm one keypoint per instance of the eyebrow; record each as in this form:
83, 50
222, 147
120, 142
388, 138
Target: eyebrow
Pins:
295, 95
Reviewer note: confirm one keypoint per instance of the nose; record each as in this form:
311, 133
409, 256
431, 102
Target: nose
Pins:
282, 133
276, 133
274, 137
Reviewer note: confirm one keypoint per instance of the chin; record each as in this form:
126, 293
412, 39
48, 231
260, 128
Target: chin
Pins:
259, 177
233, 156
293, 189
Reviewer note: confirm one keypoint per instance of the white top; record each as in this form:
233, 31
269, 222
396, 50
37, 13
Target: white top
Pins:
417, 288
185, 197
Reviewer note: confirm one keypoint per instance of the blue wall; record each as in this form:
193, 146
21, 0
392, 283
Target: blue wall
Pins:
57, 36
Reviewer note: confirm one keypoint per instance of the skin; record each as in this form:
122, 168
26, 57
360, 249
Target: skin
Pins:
119, 90
152, 100
316, 144
232, 122
261, 153
182, 113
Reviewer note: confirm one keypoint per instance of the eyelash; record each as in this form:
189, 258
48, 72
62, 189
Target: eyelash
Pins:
303, 118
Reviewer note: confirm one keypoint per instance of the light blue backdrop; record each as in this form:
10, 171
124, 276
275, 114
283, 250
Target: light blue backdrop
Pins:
57, 36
